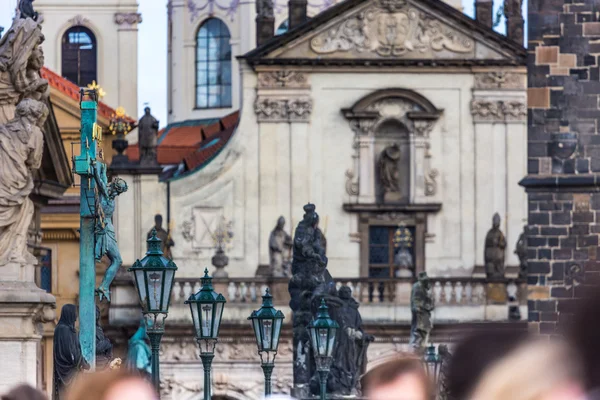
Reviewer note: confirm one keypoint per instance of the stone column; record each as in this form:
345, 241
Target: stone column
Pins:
296, 12
484, 10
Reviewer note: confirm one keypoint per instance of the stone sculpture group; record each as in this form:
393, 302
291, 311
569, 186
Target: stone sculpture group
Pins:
310, 283
23, 112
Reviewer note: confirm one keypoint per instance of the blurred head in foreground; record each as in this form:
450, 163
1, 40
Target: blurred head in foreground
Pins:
535, 370
24, 392
111, 385
402, 378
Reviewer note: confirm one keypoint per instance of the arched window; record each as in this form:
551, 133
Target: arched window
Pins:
283, 27
213, 65
79, 56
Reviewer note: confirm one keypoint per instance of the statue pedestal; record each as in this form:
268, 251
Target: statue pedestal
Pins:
23, 309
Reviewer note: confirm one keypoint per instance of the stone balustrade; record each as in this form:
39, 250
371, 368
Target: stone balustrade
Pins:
381, 300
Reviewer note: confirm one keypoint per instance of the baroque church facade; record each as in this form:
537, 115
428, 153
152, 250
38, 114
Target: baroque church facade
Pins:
385, 114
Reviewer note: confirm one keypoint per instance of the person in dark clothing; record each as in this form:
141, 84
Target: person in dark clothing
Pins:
68, 359
104, 347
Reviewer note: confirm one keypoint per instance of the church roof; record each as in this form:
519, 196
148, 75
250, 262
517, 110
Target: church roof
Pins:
193, 143
328, 27
70, 89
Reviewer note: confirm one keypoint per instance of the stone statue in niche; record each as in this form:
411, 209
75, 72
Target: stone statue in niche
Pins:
521, 252
163, 235
389, 173
280, 246
421, 306
495, 245
21, 149
148, 137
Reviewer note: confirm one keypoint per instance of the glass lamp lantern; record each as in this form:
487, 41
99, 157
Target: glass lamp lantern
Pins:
266, 323
154, 277
323, 331
433, 364
207, 310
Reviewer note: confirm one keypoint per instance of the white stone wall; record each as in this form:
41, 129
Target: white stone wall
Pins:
114, 23
270, 169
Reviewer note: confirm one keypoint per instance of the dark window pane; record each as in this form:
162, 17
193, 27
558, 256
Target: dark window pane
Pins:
379, 272
226, 72
379, 254
379, 235
226, 96
79, 56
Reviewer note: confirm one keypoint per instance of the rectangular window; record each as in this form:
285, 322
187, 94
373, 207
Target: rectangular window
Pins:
383, 251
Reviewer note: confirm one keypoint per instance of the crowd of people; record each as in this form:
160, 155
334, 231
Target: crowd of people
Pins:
484, 365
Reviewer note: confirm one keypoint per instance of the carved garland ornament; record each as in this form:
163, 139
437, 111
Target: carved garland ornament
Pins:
496, 110
392, 29
128, 18
270, 109
282, 79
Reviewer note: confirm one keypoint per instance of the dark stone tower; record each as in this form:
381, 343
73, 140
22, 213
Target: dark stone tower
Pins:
564, 158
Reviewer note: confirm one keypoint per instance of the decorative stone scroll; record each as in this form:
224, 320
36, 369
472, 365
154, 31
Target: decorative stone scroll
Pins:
277, 109
500, 80
484, 110
282, 79
128, 19
392, 28
79, 20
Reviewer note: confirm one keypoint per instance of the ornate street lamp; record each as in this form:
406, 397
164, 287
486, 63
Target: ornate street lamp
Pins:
267, 328
433, 365
154, 277
322, 335
207, 309
120, 126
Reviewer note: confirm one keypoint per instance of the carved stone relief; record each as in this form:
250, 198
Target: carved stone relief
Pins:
498, 111
500, 80
277, 109
392, 28
79, 20
128, 18
282, 79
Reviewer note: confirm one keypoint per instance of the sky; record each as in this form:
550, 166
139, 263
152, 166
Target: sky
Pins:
152, 50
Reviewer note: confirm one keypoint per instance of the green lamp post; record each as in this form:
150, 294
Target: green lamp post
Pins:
154, 277
322, 334
267, 329
433, 365
207, 309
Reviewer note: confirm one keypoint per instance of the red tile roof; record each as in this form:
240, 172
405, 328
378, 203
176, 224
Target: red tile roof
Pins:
195, 142
67, 87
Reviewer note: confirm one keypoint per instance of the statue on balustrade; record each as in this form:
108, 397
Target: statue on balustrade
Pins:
389, 173
495, 245
163, 235
104, 348
280, 246
310, 283
139, 353
106, 242
521, 252
148, 137
421, 306
21, 149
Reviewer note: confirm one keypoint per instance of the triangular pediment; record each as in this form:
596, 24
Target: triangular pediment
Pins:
391, 30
